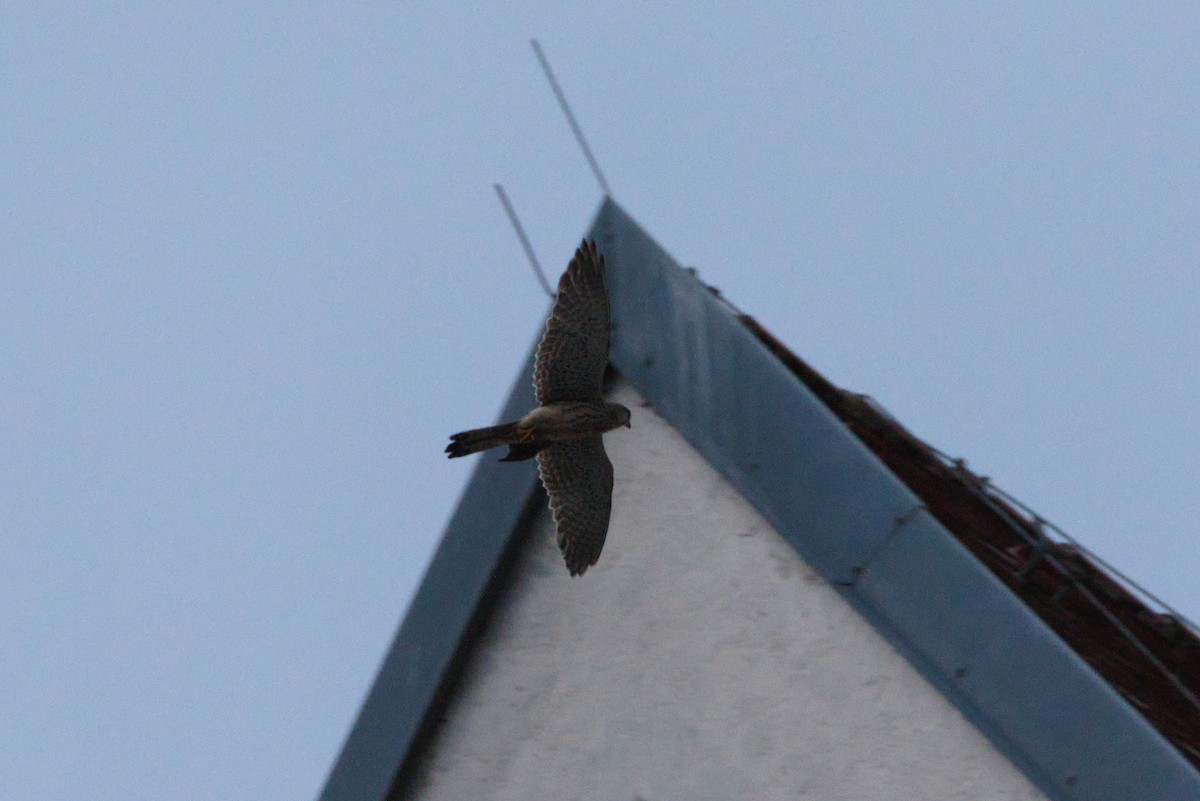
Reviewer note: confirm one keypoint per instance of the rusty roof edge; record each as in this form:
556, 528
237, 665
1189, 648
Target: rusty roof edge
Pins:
853, 406
1112, 599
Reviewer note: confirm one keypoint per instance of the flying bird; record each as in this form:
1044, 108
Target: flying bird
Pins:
563, 432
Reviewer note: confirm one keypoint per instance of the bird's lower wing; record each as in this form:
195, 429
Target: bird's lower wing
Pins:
579, 479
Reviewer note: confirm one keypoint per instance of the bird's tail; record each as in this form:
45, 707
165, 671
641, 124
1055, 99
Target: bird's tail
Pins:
480, 439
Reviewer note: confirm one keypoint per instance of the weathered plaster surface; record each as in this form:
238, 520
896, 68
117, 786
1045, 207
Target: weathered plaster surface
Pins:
700, 659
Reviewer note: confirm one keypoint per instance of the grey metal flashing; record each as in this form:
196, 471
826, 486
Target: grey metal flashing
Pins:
1011, 675
741, 408
422, 654
855, 522
822, 489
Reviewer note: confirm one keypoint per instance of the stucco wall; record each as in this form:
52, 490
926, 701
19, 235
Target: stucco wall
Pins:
700, 659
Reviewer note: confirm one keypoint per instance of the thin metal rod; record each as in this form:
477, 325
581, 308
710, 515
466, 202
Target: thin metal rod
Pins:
566, 109
516, 224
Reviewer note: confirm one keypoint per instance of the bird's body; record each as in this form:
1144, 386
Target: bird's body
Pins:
563, 432
572, 420
554, 422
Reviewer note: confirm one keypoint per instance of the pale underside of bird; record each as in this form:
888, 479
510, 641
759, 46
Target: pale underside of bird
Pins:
564, 432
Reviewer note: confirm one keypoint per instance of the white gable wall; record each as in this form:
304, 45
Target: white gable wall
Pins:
700, 659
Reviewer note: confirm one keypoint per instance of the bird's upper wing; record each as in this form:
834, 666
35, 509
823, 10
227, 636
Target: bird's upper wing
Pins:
579, 479
574, 350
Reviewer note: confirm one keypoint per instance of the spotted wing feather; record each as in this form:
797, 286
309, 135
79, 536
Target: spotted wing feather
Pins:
579, 479
574, 350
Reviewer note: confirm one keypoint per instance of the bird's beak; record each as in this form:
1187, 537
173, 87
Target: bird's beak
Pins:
628, 425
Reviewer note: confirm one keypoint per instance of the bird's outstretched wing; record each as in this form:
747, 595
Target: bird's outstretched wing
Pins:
574, 350
579, 479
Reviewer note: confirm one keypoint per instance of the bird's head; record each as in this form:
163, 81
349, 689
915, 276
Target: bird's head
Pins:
619, 415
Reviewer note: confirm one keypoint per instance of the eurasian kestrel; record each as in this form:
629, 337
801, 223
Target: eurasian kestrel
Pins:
564, 431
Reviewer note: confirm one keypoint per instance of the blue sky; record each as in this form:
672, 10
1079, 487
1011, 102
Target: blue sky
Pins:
252, 273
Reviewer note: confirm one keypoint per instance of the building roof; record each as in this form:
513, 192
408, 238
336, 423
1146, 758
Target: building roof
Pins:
1151, 658
1077, 681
